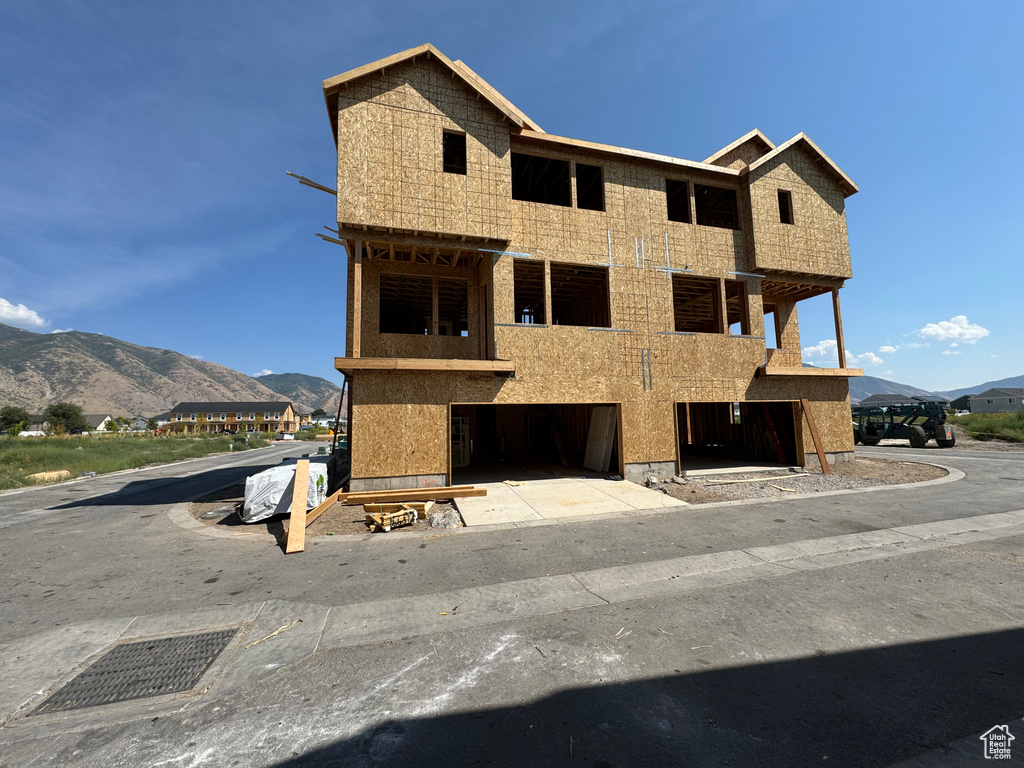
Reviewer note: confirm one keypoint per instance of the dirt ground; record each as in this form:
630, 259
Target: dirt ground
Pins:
859, 473
221, 509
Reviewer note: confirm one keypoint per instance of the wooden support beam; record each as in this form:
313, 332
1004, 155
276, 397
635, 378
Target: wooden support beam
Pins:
413, 494
840, 345
347, 364
818, 447
357, 301
296, 537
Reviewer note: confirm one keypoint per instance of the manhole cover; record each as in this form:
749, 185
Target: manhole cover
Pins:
138, 670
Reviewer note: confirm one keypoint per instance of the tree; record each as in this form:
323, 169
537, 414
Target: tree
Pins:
200, 422
13, 419
151, 424
318, 413
65, 418
113, 425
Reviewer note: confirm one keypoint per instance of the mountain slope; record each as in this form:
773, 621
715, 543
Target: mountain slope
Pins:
865, 386
307, 392
103, 374
1013, 381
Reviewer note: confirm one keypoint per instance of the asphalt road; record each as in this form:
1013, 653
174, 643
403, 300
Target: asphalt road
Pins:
637, 640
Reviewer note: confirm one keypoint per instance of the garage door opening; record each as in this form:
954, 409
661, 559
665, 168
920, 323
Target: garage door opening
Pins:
714, 435
520, 442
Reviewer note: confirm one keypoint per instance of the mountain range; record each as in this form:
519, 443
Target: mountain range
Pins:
106, 375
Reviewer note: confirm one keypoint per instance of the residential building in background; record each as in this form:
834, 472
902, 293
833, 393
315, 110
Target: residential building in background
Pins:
239, 416
998, 400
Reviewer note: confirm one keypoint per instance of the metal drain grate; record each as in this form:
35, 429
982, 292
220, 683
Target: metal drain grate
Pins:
138, 670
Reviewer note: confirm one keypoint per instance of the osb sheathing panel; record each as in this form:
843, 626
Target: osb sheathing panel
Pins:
377, 344
390, 127
817, 242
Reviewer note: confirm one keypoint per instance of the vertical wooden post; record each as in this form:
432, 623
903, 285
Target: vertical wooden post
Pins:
841, 347
434, 319
818, 447
296, 540
357, 301
723, 310
548, 315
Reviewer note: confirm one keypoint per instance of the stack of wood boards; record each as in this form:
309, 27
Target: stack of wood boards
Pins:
384, 517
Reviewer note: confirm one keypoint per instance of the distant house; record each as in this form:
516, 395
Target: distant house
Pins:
162, 419
139, 423
244, 417
98, 422
36, 427
999, 400
962, 403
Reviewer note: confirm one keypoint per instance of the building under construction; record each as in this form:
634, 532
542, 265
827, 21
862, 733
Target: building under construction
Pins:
520, 298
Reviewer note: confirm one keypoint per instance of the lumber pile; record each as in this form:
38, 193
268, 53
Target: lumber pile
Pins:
391, 505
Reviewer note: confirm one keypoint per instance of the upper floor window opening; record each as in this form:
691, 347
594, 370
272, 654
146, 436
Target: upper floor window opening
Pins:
696, 304
716, 207
677, 198
528, 291
406, 304
453, 151
589, 187
452, 307
785, 206
579, 296
541, 180
736, 307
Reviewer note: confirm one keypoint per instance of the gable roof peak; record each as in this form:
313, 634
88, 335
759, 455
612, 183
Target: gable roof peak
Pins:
757, 140
476, 83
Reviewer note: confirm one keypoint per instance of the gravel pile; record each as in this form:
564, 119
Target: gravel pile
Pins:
861, 473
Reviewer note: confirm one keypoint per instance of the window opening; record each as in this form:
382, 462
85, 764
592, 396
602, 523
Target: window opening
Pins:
696, 304
452, 307
579, 296
677, 196
406, 304
528, 284
736, 307
716, 207
785, 207
771, 327
453, 151
589, 187
541, 180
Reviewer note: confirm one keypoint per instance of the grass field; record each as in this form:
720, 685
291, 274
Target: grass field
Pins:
992, 426
20, 457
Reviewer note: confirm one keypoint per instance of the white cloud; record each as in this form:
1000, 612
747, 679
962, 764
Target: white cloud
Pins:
264, 372
195, 357
951, 351
826, 348
954, 344
62, 330
955, 329
868, 358
887, 349
19, 315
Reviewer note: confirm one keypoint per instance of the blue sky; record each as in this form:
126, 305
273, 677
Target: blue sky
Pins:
144, 149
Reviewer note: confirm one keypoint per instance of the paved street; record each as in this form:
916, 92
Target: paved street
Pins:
860, 628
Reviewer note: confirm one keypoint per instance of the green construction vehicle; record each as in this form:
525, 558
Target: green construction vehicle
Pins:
916, 423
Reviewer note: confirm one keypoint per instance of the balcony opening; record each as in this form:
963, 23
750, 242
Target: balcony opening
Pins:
589, 187
716, 207
528, 279
737, 307
541, 180
453, 151
406, 304
677, 196
696, 304
452, 307
579, 296
771, 327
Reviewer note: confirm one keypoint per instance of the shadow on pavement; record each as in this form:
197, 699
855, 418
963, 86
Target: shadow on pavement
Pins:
871, 707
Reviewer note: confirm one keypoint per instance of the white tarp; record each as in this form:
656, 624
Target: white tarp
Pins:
270, 492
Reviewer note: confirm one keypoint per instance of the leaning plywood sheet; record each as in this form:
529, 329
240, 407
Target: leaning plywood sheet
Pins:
600, 439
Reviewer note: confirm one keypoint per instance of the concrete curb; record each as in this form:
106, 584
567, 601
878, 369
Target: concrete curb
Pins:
179, 514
